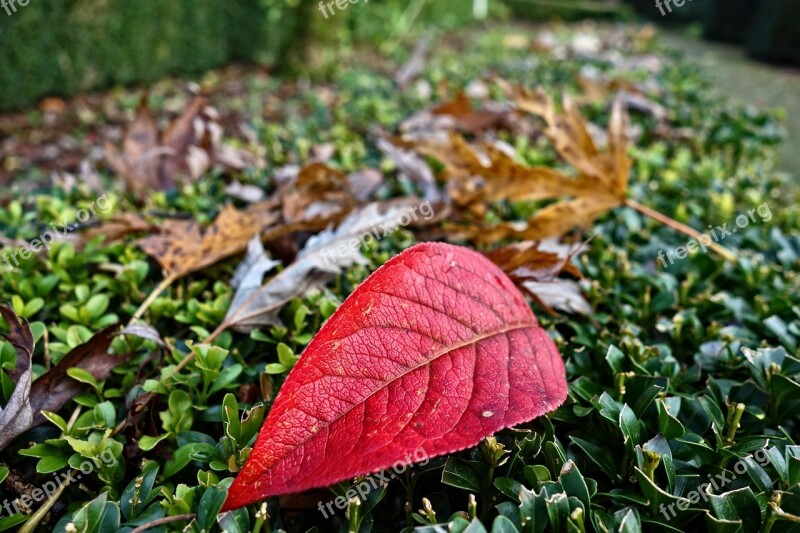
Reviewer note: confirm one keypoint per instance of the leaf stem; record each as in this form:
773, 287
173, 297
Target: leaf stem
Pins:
183, 362
41, 512
683, 228
166, 282
734, 417
161, 521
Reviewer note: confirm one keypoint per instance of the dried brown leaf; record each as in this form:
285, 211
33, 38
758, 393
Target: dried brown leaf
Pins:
54, 389
183, 247
535, 267
17, 416
323, 256
319, 194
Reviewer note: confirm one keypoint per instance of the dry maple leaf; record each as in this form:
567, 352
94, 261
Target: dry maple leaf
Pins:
183, 247
484, 174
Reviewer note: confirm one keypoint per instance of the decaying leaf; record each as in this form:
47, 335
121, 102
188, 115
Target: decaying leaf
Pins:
413, 167
17, 416
319, 194
188, 147
486, 173
457, 115
535, 267
183, 247
250, 272
246, 193
364, 183
143, 331
55, 388
323, 256
139, 162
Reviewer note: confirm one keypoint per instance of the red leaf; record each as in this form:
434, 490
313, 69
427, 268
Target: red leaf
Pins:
434, 351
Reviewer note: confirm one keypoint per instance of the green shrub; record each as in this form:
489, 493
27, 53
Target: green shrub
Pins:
66, 46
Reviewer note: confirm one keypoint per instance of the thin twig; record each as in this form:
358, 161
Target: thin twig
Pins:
41, 512
683, 228
166, 282
161, 521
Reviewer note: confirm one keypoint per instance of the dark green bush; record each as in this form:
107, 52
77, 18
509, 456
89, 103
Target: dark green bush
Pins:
65, 46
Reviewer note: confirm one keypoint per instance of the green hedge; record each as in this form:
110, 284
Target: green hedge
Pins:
60, 47
64, 46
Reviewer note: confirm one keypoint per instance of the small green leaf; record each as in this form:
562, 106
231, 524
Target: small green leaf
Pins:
209, 507
738, 505
459, 474
81, 375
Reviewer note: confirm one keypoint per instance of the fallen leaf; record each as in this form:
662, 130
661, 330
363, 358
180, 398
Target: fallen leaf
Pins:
535, 267
17, 416
414, 167
478, 176
250, 272
457, 115
483, 174
139, 161
319, 194
144, 331
246, 193
54, 389
559, 294
187, 138
322, 257
433, 352
188, 147
365, 183
183, 247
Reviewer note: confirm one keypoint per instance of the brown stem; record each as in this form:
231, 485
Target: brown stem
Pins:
683, 228
166, 282
41, 512
166, 520
222, 327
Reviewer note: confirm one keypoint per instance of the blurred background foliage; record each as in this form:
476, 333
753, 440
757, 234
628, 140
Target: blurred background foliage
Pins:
61, 47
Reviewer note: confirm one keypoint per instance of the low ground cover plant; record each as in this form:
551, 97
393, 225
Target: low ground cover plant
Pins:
145, 349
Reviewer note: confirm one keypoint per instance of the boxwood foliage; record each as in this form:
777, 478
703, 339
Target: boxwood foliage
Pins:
65, 46
684, 383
